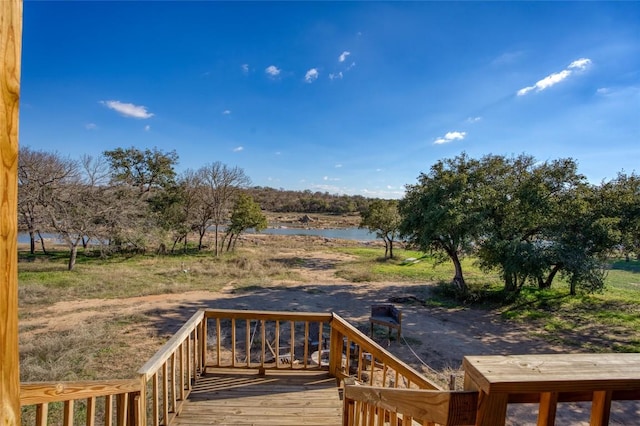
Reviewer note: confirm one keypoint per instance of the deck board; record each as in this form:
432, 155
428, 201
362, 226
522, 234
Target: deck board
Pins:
242, 397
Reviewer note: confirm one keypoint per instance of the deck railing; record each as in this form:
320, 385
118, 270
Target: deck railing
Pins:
166, 380
379, 388
88, 402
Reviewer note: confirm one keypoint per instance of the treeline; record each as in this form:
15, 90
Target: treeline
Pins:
530, 221
131, 199
287, 201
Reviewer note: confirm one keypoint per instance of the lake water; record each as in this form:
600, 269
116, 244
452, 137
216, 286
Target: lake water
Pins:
355, 234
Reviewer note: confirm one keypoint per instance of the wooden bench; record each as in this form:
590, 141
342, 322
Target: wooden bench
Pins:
388, 316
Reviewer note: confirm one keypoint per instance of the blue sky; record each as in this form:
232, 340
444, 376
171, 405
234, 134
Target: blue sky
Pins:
349, 97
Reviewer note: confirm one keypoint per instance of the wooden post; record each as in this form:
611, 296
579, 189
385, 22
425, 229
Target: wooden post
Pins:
10, 50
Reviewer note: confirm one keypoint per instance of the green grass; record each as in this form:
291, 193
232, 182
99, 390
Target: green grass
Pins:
370, 265
45, 279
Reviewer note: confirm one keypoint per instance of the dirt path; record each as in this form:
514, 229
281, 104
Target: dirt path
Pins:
437, 337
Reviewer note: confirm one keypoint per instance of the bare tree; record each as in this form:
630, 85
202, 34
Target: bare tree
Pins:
222, 183
39, 173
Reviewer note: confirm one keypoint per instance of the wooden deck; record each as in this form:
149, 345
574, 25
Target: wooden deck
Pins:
243, 397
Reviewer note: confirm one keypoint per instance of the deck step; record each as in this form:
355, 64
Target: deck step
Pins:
243, 397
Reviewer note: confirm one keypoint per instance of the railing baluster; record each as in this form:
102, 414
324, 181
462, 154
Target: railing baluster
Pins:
203, 345
156, 400
263, 337
181, 357
292, 350
348, 355
121, 409
373, 366
91, 411
68, 413
219, 342
42, 412
188, 356
233, 341
108, 410
306, 345
173, 383
195, 354
277, 354
165, 396
247, 342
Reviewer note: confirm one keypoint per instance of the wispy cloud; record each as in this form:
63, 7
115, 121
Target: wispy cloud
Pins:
238, 149
311, 75
473, 119
338, 166
127, 109
90, 126
343, 56
507, 58
351, 65
334, 76
272, 70
555, 78
147, 128
450, 137
226, 112
245, 68
330, 179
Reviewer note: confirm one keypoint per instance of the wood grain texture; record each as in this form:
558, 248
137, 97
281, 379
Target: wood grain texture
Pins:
45, 392
443, 407
10, 50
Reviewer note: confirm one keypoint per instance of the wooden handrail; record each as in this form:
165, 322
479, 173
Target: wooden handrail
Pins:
378, 352
154, 364
45, 392
268, 315
442, 407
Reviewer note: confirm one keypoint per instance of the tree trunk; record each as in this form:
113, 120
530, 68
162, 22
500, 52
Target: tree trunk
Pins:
458, 279
216, 240
201, 234
73, 256
547, 283
32, 242
390, 248
44, 249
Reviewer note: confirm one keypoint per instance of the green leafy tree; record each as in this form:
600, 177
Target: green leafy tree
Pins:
541, 221
246, 213
442, 214
383, 218
146, 170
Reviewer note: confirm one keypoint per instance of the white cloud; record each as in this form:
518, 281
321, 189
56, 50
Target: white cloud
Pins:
90, 126
272, 70
245, 68
334, 76
353, 64
226, 112
330, 179
580, 64
473, 119
147, 128
556, 77
450, 137
343, 56
127, 109
311, 75
603, 91
238, 149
